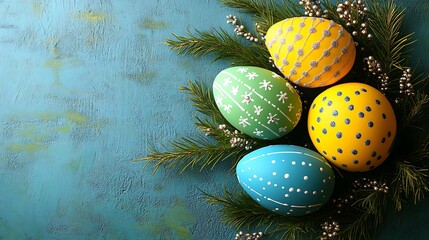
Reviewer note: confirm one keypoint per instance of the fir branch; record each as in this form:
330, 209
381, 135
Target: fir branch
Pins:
410, 182
203, 100
223, 45
191, 152
389, 45
240, 211
413, 109
266, 13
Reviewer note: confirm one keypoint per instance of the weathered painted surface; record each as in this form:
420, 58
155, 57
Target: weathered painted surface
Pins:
85, 87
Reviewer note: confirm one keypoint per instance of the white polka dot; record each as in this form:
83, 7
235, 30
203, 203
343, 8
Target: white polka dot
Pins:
249, 168
250, 179
263, 188
305, 178
283, 187
321, 169
314, 192
288, 213
275, 185
298, 190
254, 176
274, 161
277, 209
303, 163
269, 183
286, 195
283, 160
293, 162
324, 180
305, 192
322, 190
242, 170
310, 164
291, 189
274, 173
287, 175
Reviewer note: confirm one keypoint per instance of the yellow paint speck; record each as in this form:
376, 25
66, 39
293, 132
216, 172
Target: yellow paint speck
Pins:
64, 128
30, 147
76, 118
37, 7
92, 17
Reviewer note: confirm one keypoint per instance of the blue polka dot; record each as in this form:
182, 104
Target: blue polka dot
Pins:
339, 134
372, 167
318, 119
329, 103
383, 140
332, 124
361, 114
351, 107
354, 152
346, 99
312, 128
324, 152
383, 116
321, 110
339, 150
368, 108
334, 158
318, 140
355, 161
344, 165
389, 134
379, 157
368, 142
373, 154
335, 113
358, 135
377, 102
363, 90
347, 121
324, 131
324, 98
357, 92
339, 93
368, 162
314, 105
370, 124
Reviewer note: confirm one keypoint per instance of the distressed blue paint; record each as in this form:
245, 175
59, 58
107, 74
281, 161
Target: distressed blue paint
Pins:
85, 87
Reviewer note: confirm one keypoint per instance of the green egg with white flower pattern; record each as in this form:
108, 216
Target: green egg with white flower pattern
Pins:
256, 101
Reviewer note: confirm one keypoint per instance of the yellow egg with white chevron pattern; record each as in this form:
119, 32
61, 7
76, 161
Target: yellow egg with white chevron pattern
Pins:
311, 52
256, 101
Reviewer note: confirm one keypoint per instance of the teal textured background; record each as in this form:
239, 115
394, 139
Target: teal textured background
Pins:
86, 87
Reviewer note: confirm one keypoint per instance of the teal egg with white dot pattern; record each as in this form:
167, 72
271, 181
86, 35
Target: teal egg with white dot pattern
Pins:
286, 179
256, 101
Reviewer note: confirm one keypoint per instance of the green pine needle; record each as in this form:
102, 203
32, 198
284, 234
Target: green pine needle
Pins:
223, 46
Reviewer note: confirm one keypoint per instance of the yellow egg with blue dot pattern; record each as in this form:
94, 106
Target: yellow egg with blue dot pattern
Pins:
311, 52
353, 126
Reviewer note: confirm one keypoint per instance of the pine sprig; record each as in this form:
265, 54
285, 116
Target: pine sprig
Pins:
266, 13
389, 44
190, 153
223, 46
240, 211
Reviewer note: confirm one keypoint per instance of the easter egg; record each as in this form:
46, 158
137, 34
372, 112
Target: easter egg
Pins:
286, 179
353, 125
311, 52
256, 101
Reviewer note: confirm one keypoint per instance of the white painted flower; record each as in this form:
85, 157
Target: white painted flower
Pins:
272, 118
258, 132
234, 90
288, 85
227, 81
290, 107
266, 85
258, 109
275, 75
243, 121
283, 129
242, 70
247, 98
282, 96
227, 108
252, 75
219, 101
